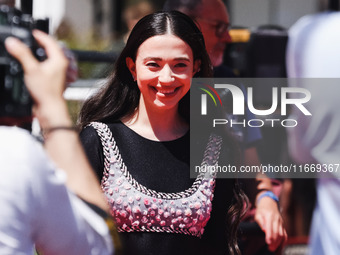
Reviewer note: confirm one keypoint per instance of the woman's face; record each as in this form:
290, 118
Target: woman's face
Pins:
163, 70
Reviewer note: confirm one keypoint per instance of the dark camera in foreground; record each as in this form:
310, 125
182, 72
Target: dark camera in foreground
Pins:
15, 101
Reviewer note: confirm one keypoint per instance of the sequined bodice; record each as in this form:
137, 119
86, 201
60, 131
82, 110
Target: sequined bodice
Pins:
135, 208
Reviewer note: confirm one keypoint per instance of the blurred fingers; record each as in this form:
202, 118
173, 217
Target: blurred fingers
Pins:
52, 49
21, 52
279, 235
261, 221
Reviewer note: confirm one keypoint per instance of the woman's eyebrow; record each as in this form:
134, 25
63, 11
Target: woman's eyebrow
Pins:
152, 58
160, 59
182, 59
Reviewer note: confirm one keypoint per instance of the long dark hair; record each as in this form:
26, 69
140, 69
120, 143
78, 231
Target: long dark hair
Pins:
120, 96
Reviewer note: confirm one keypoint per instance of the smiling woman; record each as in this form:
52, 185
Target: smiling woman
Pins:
163, 69
136, 135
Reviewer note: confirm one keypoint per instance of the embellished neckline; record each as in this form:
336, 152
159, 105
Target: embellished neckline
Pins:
107, 138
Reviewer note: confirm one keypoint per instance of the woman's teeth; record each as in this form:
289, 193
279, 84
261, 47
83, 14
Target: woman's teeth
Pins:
166, 91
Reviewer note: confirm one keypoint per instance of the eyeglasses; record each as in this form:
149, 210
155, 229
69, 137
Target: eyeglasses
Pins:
220, 27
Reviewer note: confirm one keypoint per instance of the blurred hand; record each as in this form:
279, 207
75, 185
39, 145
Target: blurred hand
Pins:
44, 80
270, 220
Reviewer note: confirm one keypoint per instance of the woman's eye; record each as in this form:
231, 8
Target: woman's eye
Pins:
181, 65
152, 64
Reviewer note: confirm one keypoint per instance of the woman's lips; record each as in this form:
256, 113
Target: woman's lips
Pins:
165, 92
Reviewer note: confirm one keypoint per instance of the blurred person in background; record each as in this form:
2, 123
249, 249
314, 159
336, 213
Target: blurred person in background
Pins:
314, 52
134, 12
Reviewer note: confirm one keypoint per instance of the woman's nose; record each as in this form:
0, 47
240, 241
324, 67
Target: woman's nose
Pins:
166, 75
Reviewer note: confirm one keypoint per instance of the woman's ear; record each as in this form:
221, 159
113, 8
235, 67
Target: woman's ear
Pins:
197, 66
132, 67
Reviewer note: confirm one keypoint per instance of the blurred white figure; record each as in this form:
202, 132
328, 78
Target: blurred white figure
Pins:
314, 52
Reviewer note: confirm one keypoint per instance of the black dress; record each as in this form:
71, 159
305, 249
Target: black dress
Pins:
164, 167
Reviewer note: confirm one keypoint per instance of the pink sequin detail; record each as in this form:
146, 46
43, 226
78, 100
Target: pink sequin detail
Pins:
135, 208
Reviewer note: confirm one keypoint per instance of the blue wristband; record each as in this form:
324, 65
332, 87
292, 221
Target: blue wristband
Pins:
268, 194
